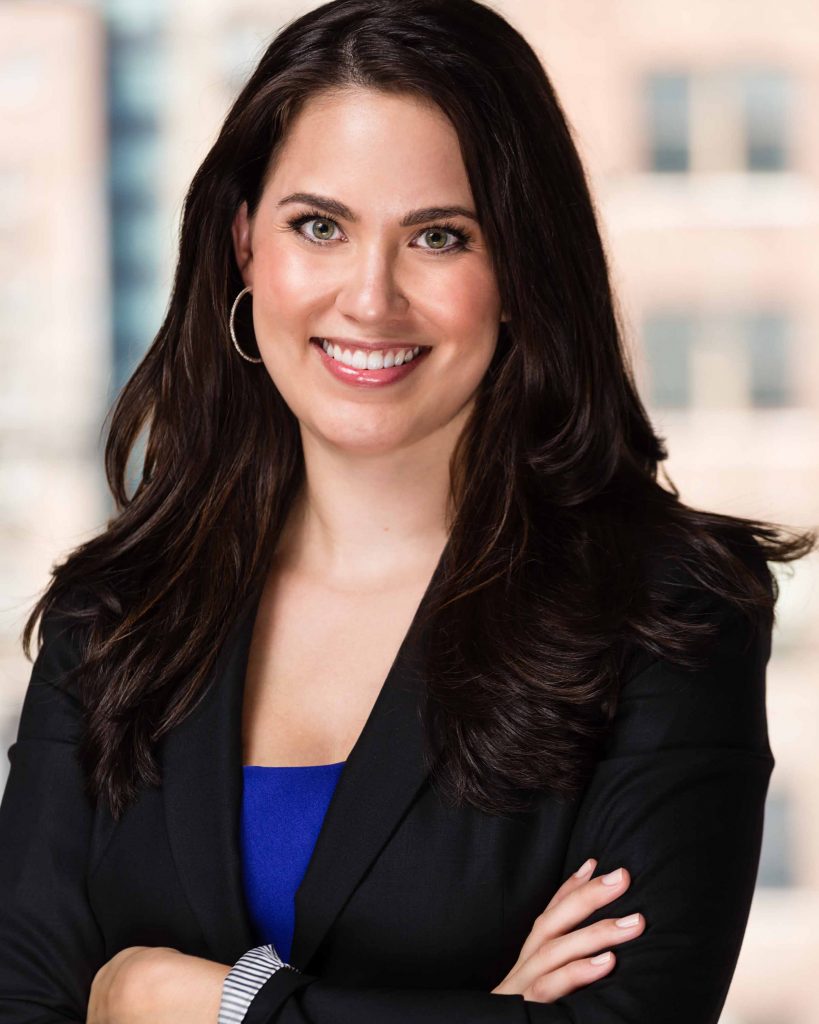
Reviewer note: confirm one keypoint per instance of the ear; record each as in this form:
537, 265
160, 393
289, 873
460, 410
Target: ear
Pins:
242, 248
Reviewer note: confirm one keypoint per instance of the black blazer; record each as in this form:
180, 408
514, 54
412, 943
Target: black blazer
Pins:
409, 911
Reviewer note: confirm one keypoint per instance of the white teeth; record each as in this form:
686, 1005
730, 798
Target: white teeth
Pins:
370, 360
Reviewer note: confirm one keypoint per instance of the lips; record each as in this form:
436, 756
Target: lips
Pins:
364, 376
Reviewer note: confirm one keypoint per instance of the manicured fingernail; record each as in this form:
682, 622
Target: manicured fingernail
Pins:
613, 877
584, 869
601, 958
628, 922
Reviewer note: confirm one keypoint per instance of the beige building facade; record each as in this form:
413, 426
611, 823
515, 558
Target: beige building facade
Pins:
55, 359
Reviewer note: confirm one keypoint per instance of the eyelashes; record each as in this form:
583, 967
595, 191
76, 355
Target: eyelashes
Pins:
463, 237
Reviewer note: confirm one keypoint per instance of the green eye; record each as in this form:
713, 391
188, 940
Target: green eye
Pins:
440, 231
324, 224
441, 235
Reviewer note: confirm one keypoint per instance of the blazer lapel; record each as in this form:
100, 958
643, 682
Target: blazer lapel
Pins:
378, 782
202, 795
202, 787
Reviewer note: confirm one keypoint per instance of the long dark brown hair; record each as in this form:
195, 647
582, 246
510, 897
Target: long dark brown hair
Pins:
557, 521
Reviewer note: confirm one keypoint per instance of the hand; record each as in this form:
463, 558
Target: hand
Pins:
156, 985
555, 960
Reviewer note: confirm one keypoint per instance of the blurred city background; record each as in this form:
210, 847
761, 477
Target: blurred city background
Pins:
699, 126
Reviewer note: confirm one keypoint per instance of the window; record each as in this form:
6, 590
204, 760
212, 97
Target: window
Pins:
766, 340
776, 858
668, 340
717, 119
718, 359
765, 97
137, 75
668, 114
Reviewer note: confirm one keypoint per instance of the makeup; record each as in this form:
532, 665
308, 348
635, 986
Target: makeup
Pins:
362, 377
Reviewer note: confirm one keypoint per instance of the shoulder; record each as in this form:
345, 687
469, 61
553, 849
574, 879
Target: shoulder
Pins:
677, 586
63, 628
52, 708
671, 569
719, 703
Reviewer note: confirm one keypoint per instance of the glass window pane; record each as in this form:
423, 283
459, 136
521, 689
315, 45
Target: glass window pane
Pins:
668, 338
136, 88
766, 335
776, 859
667, 97
766, 102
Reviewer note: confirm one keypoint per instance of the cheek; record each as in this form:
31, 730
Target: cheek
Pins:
467, 318
464, 303
283, 289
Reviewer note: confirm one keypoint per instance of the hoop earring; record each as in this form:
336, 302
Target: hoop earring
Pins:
250, 359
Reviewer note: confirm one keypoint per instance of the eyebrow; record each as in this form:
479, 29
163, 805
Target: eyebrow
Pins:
408, 220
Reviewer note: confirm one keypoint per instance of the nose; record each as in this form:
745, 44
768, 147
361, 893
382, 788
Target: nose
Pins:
370, 291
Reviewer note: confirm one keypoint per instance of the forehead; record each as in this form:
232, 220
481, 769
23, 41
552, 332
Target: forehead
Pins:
367, 147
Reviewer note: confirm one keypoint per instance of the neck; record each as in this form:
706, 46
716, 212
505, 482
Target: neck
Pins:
362, 520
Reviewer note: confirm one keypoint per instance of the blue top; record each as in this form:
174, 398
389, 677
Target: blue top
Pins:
282, 813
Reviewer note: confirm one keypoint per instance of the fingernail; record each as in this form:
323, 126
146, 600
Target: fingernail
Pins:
628, 922
613, 877
584, 869
601, 958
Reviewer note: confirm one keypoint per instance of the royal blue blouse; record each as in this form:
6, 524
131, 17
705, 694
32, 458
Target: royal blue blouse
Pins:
282, 812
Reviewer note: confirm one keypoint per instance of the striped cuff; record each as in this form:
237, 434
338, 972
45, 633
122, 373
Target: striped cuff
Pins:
244, 980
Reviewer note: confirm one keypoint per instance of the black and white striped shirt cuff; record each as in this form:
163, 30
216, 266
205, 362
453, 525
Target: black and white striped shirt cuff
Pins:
244, 980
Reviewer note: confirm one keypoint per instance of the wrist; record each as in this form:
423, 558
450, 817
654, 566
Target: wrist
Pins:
129, 979
244, 979
162, 984
187, 989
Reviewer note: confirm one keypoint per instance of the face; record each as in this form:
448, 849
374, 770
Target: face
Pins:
344, 268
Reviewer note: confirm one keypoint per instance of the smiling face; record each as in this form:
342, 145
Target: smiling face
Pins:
343, 267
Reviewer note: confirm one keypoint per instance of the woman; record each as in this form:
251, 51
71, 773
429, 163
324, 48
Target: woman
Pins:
398, 628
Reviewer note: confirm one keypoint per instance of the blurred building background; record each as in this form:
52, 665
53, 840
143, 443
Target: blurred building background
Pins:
699, 126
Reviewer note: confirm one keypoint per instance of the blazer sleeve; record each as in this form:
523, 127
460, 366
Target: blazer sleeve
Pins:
51, 944
678, 799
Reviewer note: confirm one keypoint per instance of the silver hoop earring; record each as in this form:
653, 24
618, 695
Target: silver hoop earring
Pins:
250, 359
